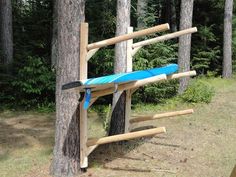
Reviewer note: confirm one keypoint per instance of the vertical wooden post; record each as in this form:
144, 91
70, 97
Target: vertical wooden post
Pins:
129, 66
83, 70
129, 52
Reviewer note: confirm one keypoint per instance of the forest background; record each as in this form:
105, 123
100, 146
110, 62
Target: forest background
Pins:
29, 82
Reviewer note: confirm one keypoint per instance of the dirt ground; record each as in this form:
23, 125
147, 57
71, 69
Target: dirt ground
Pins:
198, 145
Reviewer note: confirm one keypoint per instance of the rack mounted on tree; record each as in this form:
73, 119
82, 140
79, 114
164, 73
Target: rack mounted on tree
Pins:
96, 89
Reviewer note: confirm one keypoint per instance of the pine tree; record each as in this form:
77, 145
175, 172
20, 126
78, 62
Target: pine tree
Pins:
227, 58
123, 22
185, 41
66, 160
6, 33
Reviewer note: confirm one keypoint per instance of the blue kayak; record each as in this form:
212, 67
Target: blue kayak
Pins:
132, 76
119, 78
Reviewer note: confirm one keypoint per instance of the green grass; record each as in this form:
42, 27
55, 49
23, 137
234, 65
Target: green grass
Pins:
21, 161
26, 138
220, 86
26, 142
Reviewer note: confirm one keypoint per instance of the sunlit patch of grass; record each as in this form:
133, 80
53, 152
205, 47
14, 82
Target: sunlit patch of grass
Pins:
222, 85
20, 161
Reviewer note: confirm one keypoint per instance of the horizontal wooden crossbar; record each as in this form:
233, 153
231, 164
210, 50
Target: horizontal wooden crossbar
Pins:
183, 74
126, 136
164, 37
129, 36
129, 85
162, 115
140, 83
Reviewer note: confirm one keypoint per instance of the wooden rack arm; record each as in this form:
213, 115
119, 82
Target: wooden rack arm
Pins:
164, 37
130, 85
91, 53
92, 101
90, 149
129, 36
143, 82
183, 74
135, 50
127, 136
162, 115
140, 83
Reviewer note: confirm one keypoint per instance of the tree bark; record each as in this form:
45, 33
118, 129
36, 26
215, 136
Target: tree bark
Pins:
185, 42
118, 106
141, 13
54, 35
227, 58
173, 22
6, 33
66, 160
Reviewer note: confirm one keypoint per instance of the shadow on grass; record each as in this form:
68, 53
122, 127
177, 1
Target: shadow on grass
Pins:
107, 153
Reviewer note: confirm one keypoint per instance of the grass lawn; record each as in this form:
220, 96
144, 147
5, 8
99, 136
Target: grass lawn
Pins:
202, 144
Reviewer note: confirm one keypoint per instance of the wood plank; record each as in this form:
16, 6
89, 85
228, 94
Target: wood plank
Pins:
126, 136
90, 149
162, 115
129, 64
83, 113
91, 53
183, 74
129, 85
135, 50
126, 37
92, 101
106, 89
129, 68
164, 37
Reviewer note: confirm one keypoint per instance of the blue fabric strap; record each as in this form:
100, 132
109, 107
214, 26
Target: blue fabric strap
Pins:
87, 98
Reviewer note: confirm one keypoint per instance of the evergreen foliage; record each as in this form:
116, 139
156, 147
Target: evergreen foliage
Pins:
205, 55
153, 56
33, 85
198, 92
31, 82
32, 27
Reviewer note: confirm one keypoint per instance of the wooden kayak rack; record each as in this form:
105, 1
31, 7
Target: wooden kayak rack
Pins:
88, 50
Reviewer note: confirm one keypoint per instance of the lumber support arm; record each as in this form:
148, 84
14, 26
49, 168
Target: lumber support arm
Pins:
139, 45
91, 53
183, 74
162, 115
127, 136
129, 36
140, 83
128, 86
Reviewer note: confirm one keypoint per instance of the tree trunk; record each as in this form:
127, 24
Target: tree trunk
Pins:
141, 13
173, 23
185, 42
6, 34
118, 109
166, 11
227, 58
66, 160
169, 14
54, 36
